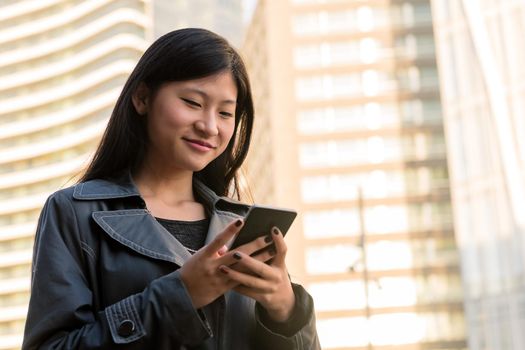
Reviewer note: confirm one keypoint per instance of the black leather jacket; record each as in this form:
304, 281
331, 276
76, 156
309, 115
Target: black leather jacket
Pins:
105, 277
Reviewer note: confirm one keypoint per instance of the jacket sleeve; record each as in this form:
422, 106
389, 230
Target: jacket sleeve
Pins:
61, 313
298, 333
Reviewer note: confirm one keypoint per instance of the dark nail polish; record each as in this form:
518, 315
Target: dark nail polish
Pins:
223, 270
275, 231
237, 256
268, 239
238, 223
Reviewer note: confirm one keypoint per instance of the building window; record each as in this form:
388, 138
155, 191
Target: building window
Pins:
374, 184
326, 54
327, 87
331, 336
399, 328
369, 50
307, 56
390, 255
329, 188
331, 223
365, 19
393, 291
341, 295
324, 22
306, 24
373, 150
370, 116
311, 88
386, 219
331, 259
370, 81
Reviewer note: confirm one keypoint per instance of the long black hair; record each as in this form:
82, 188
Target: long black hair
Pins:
180, 55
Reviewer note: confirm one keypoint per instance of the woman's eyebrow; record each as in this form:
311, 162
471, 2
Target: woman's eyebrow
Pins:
205, 95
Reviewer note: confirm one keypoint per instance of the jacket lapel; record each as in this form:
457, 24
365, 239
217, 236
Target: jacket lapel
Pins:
222, 210
139, 231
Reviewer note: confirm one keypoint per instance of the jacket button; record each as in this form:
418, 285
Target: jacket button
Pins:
126, 328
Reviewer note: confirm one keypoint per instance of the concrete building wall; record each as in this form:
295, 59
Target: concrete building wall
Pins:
349, 132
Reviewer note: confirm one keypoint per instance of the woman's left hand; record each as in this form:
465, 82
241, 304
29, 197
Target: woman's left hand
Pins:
267, 283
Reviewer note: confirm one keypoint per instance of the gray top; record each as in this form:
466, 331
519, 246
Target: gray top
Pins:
191, 234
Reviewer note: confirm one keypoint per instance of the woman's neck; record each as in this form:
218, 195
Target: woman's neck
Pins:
169, 196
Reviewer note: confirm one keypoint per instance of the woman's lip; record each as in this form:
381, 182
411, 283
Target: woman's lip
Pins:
199, 143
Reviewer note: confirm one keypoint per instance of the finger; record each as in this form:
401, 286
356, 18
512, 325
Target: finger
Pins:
231, 284
280, 247
223, 250
254, 283
240, 268
232, 258
265, 255
256, 245
253, 266
262, 244
224, 237
249, 292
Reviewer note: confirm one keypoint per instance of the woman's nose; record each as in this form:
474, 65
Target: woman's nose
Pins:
207, 125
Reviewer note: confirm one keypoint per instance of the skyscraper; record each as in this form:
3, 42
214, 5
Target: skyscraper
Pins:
223, 17
62, 66
349, 132
482, 70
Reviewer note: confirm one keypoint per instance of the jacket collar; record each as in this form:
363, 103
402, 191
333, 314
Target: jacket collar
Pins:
124, 187
138, 230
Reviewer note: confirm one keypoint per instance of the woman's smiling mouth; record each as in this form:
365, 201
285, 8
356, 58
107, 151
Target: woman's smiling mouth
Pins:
199, 144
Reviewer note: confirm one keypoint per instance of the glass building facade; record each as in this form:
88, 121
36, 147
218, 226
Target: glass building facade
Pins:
349, 131
481, 63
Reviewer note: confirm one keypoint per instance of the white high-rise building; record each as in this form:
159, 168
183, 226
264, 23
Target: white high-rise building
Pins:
62, 65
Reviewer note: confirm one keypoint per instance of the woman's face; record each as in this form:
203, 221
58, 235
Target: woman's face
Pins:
190, 123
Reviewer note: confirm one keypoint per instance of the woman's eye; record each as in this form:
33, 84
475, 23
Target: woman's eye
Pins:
191, 102
226, 114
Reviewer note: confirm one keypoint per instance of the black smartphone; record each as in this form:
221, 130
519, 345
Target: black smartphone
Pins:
260, 220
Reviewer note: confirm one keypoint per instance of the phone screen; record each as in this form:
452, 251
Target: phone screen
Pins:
260, 220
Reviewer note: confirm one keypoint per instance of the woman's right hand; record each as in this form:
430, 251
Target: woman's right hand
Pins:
200, 274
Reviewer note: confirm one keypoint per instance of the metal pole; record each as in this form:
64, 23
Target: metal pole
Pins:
362, 245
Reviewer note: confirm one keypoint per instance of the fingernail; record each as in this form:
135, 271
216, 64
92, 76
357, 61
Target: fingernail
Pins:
275, 231
268, 239
238, 222
237, 256
223, 269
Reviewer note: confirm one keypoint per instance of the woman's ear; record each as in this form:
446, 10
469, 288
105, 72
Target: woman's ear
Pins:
140, 99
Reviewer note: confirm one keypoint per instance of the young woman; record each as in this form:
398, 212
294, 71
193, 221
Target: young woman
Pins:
120, 259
